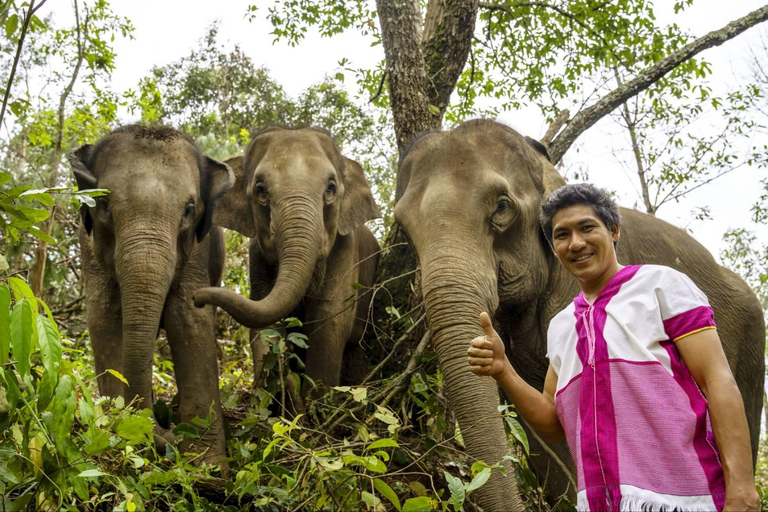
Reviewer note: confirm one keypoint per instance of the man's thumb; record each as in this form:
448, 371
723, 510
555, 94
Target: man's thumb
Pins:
485, 323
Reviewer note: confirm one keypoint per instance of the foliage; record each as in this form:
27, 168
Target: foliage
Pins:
220, 98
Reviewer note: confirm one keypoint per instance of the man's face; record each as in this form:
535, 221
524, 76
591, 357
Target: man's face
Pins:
583, 244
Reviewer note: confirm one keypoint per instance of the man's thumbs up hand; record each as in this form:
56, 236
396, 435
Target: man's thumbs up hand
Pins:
486, 353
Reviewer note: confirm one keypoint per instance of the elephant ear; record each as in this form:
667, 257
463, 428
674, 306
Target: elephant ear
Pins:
550, 178
357, 204
80, 158
216, 179
234, 209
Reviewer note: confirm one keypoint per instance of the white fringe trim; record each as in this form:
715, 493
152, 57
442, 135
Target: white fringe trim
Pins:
634, 499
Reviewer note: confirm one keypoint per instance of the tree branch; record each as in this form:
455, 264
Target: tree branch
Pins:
19, 46
560, 120
589, 116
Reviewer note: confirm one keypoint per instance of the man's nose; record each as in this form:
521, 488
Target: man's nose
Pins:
577, 242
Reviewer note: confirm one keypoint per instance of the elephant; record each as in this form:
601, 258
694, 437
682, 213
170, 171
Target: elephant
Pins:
146, 246
468, 203
304, 207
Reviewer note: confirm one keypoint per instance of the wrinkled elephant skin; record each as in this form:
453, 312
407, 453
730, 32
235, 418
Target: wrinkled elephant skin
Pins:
146, 247
469, 201
304, 206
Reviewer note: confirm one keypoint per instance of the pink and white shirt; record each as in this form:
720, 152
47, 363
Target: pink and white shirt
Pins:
636, 422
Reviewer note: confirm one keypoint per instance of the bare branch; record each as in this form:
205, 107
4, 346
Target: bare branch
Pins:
19, 46
589, 116
558, 123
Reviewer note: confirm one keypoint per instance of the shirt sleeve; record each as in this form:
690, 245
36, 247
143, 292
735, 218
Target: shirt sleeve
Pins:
553, 341
684, 308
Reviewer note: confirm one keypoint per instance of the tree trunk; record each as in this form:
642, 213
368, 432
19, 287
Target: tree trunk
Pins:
400, 31
41, 252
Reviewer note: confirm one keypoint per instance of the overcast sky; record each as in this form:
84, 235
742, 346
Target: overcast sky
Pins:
166, 30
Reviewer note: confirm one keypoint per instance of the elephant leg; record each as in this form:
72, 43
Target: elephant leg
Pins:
262, 276
105, 324
328, 329
193, 347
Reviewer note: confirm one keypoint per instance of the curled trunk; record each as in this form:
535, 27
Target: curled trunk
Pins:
297, 229
454, 297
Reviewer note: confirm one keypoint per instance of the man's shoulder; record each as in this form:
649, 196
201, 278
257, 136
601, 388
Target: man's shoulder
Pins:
565, 318
660, 274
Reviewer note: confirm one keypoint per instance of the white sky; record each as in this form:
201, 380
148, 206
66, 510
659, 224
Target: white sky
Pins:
169, 29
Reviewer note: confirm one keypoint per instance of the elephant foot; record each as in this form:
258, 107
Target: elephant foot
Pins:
163, 437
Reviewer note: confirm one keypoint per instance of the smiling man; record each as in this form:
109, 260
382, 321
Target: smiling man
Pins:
638, 382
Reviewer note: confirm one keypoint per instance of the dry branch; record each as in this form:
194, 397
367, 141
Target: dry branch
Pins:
589, 116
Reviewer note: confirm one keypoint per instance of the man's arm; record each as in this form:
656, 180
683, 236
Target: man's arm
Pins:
703, 355
486, 358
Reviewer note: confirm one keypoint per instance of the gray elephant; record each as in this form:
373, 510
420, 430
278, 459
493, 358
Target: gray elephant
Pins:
145, 248
304, 206
468, 202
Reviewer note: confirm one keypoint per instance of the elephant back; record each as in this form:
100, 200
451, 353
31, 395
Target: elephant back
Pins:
738, 313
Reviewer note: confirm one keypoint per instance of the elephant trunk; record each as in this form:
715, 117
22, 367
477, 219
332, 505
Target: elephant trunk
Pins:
297, 227
145, 266
455, 293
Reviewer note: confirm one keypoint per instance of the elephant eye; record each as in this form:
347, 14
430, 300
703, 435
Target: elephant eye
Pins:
260, 190
102, 203
503, 214
189, 209
330, 191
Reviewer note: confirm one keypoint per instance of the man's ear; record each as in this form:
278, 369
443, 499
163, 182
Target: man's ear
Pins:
357, 203
216, 179
234, 209
85, 179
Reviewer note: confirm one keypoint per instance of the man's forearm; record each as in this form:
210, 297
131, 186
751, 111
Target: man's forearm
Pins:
729, 424
537, 410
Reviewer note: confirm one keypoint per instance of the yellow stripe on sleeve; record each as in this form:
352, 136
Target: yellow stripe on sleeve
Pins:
694, 332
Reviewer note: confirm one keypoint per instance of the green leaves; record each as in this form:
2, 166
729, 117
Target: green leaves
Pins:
136, 429
5, 323
22, 327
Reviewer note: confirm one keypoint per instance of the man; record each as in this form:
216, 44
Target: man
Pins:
636, 376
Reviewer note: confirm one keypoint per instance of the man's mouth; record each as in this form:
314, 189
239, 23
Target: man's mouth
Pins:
581, 258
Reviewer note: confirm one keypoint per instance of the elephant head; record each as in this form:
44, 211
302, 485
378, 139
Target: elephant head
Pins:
468, 202
162, 196
294, 194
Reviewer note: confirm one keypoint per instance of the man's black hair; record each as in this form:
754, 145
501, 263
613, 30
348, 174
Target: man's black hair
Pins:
579, 193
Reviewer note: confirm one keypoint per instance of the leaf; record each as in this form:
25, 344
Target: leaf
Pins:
135, 430
50, 353
11, 24
420, 504
20, 288
21, 335
5, 323
3, 264
387, 492
186, 430
518, 432
374, 464
370, 500
266, 334
91, 473
382, 443
293, 322
479, 480
456, 487
298, 339
118, 376
64, 404
40, 234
